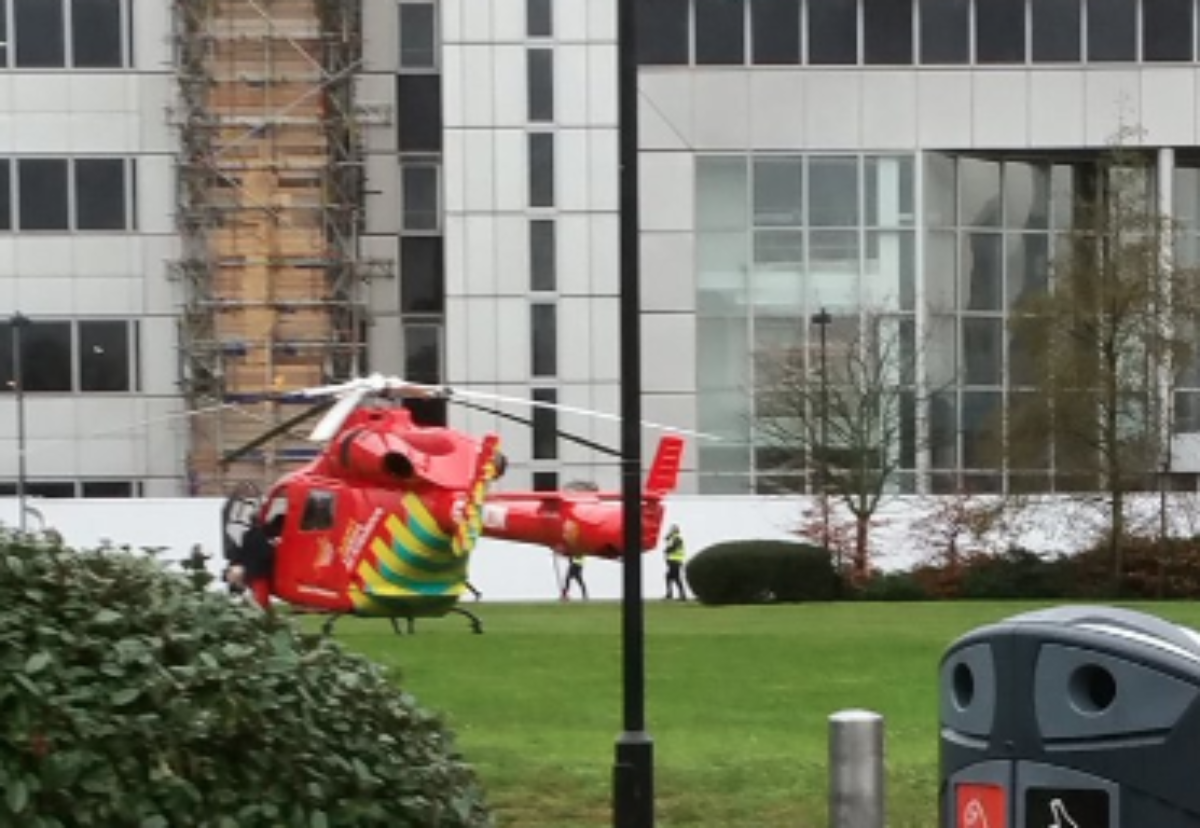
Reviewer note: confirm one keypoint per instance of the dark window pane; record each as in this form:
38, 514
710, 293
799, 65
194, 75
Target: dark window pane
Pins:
418, 39
104, 356
545, 425
46, 356
422, 353
42, 197
1055, 31
662, 32
5, 188
57, 489
96, 33
1167, 29
983, 349
6, 358
541, 169
419, 113
540, 82
428, 412
319, 511
419, 192
888, 31
545, 481
945, 31
3, 34
107, 488
833, 32
775, 32
1112, 30
720, 33
422, 275
539, 18
544, 321
1000, 31
100, 194
39, 33
543, 255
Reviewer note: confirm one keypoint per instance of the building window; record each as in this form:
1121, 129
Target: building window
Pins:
663, 28
833, 32
110, 489
539, 18
96, 34
40, 34
418, 36
43, 193
61, 356
419, 113
423, 353
1167, 27
1000, 31
945, 31
775, 32
544, 324
543, 255
3, 34
545, 424
104, 354
422, 275
545, 481
1112, 31
541, 169
720, 33
419, 193
540, 84
1055, 27
888, 32
5, 187
100, 194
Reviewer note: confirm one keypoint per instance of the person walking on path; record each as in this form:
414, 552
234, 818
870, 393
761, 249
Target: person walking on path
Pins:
675, 553
574, 573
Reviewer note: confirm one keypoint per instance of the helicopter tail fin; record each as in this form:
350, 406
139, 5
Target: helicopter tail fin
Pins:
470, 525
664, 472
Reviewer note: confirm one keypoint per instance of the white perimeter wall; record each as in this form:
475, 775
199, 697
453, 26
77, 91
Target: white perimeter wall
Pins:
511, 572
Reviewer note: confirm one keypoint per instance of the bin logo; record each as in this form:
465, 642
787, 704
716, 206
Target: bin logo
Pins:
982, 806
1058, 812
1066, 808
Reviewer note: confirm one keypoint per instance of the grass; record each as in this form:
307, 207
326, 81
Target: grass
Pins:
737, 702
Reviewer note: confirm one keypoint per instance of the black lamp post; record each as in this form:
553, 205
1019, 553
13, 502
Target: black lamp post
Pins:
19, 322
633, 771
822, 320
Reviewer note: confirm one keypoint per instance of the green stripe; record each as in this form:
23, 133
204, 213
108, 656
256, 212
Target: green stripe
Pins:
433, 588
437, 544
422, 563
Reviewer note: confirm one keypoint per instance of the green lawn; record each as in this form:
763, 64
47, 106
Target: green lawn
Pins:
737, 702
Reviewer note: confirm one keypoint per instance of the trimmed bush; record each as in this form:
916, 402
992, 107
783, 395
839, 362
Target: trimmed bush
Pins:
1017, 573
894, 586
761, 572
128, 697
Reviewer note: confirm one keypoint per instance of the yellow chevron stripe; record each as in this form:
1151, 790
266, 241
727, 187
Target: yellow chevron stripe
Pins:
371, 576
420, 515
403, 536
388, 557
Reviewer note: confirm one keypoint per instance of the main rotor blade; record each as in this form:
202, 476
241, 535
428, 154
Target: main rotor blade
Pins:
285, 426
453, 393
566, 435
337, 415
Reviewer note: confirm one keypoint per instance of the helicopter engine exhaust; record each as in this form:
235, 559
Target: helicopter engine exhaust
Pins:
376, 456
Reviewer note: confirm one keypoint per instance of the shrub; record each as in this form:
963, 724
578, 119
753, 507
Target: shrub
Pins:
893, 586
1017, 573
128, 697
761, 571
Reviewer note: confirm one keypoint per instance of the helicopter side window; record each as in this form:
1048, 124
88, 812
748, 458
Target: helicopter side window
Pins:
318, 511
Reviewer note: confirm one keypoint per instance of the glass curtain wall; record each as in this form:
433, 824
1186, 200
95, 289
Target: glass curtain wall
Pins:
779, 238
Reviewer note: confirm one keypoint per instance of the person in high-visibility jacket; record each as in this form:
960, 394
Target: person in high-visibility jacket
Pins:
574, 573
675, 554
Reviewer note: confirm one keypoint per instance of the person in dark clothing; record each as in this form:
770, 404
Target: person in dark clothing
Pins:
253, 564
675, 554
574, 573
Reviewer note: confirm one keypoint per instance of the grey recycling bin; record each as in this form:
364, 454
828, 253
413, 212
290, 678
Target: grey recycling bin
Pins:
1073, 717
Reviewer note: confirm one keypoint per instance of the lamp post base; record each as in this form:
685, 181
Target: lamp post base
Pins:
633, 781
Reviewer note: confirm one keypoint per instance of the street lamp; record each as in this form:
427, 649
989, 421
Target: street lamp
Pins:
19, 322
822, 320
633, 768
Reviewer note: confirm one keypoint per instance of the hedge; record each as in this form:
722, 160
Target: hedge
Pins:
130, 697
761, 571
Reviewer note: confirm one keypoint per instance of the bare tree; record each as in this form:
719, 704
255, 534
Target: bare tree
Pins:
846, 416
1100, 348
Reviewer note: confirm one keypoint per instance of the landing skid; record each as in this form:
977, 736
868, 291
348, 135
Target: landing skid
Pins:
410, 623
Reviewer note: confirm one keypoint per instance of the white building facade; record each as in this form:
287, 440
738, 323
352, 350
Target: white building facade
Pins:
911, 158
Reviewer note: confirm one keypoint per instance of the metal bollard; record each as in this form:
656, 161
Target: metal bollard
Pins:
856, 770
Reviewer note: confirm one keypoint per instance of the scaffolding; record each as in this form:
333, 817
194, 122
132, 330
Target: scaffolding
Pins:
270, 182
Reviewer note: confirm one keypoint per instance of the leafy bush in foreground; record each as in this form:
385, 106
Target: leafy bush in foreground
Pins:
130, 698
761, 571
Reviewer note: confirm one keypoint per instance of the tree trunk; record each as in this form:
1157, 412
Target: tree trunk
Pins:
861, 555
1115, 546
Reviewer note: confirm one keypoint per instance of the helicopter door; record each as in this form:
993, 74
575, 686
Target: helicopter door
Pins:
306, 570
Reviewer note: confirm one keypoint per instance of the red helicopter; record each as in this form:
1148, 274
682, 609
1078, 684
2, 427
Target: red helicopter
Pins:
383, 521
